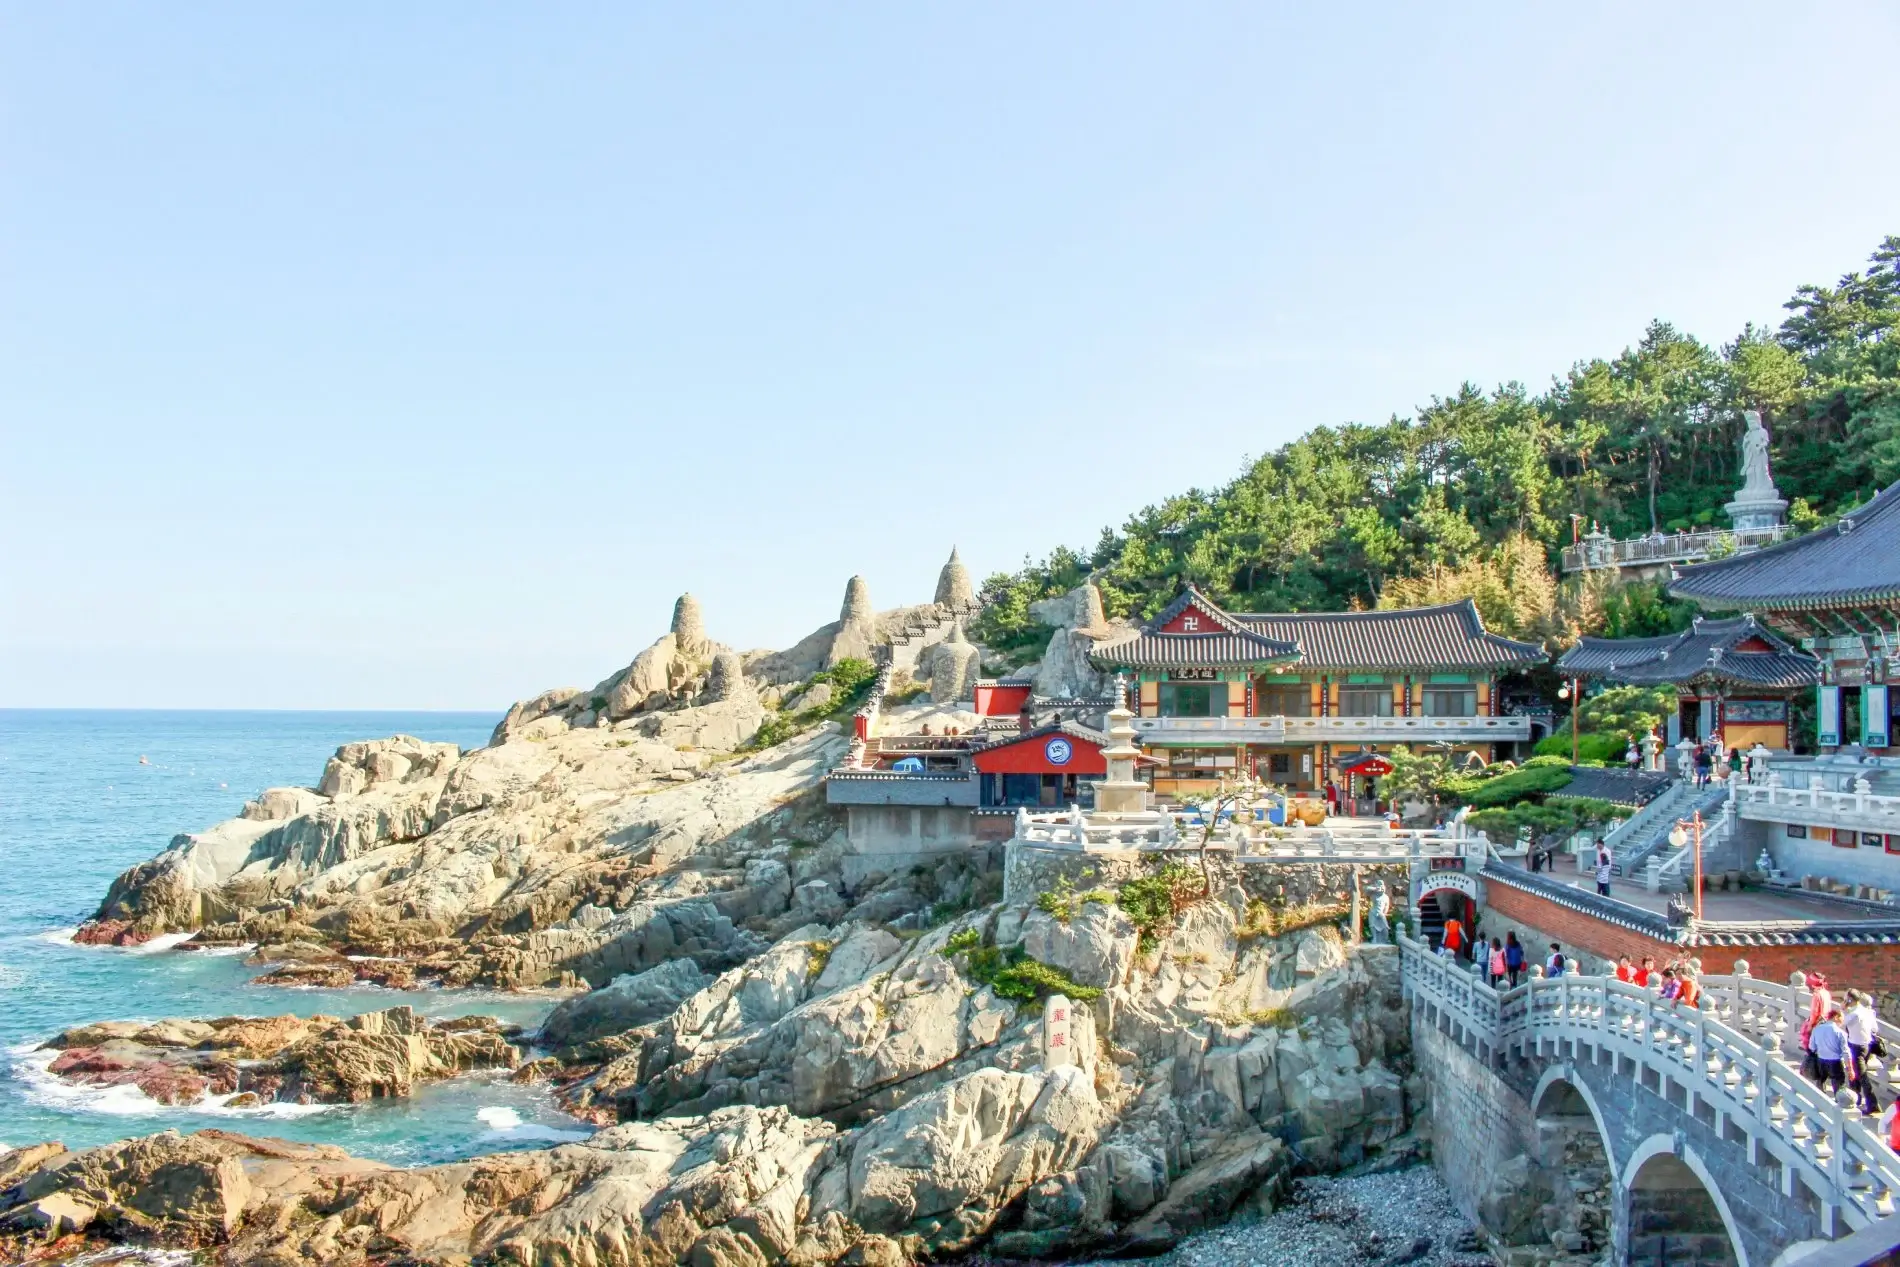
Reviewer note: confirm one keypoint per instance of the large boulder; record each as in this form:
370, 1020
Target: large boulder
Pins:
1096, 947
947, 1164
629, 1000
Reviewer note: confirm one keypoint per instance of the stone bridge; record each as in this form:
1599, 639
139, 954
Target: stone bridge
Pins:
1591, 1116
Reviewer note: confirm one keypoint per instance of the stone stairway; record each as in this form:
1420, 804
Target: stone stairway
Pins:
1647, 831
909, 643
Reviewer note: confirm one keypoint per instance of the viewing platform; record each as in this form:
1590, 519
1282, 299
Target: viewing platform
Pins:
1598, 550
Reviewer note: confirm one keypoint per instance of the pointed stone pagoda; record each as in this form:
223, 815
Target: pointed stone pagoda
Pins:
1121, 792
953, 585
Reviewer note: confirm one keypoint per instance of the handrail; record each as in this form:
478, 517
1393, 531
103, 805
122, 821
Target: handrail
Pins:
1731, 1053
1599, 552
1862, 804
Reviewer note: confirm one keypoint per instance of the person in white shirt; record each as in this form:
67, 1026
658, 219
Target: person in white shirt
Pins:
1862, 1027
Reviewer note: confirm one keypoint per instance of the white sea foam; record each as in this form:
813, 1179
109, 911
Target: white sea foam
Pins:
40, 1086
499, 1117
164, 941
60, 936
218, 952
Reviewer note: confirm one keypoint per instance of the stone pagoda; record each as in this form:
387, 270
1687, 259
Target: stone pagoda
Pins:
1121, 792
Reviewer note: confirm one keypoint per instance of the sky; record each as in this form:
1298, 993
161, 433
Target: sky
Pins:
420, 355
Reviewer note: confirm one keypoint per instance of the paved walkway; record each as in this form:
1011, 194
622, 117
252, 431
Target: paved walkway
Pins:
1752, 904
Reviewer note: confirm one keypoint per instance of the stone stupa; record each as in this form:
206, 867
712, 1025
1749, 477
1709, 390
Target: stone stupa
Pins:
1121, 792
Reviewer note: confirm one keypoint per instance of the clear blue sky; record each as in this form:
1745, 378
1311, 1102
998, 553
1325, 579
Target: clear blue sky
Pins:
419, 355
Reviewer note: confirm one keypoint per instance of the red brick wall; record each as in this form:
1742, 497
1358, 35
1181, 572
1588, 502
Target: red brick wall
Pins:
1875, 968
1574, 930
1869, 967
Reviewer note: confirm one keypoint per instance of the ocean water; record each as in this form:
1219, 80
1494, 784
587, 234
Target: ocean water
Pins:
77, 807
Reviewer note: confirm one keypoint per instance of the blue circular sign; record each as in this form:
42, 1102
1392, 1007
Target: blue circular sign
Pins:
1059, 751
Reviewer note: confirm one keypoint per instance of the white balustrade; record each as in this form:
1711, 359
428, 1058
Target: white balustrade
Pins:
1731, 1054
1861, 809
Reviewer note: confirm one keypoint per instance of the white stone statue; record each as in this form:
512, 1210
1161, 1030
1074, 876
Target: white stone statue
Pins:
1379, 919
1756, 481
1758, 503
1652, 751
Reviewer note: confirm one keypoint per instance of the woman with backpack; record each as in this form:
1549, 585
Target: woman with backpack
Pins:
1513, 957
1494, 966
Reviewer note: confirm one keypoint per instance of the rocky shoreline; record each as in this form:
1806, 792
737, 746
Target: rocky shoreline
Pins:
790, 1057
248, 1061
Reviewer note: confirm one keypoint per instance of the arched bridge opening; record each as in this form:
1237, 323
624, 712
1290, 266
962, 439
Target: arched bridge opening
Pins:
1572, 1151
1674, 1219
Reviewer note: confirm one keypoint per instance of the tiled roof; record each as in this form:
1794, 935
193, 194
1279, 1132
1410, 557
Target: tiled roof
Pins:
1072, 729
1449, 636
1617, 786
1855, 561
1705, 651
1231, 645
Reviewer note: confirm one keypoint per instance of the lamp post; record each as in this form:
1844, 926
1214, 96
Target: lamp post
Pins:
1570, 691
1679, 836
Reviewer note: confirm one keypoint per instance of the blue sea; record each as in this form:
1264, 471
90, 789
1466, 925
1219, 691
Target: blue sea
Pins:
77, 807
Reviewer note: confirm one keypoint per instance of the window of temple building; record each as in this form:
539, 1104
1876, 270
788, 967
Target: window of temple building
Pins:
1280, 763
1451, 701
1844, 839
1365, 701
1284, 700
1893, 843
1193, 699
1797, 832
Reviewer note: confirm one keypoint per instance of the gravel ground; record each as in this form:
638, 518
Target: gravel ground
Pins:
1404, 1216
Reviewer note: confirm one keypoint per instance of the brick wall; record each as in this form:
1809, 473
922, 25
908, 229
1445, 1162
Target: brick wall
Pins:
1574, 930
1868, 967
1875, 968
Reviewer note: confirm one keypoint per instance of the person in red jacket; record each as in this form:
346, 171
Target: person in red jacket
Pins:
1454, 939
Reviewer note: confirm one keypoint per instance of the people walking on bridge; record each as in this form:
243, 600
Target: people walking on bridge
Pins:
1496, 965
1688, 987
1670, 986
1453, 940
1513, 957
1625, 970
1646, 973
1554, 966
1828, 1044
1863, 1031
1819, 1004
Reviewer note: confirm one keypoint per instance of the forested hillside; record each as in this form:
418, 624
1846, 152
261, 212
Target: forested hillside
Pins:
1474, 494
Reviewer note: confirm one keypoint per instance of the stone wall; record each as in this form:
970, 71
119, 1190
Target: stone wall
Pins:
1033, 869
1477, 1122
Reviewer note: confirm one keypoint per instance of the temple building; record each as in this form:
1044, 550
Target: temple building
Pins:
1733, 678
1831, 820
1838, 592
1298, 699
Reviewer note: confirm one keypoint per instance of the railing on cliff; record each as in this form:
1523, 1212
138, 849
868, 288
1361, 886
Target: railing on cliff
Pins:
1731, 1054
1160, 831
1668, 547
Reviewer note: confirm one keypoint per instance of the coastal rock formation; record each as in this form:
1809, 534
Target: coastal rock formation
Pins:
315, 1060
954, 590
953, 666
792, 1057
882, 1105
1077, 622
